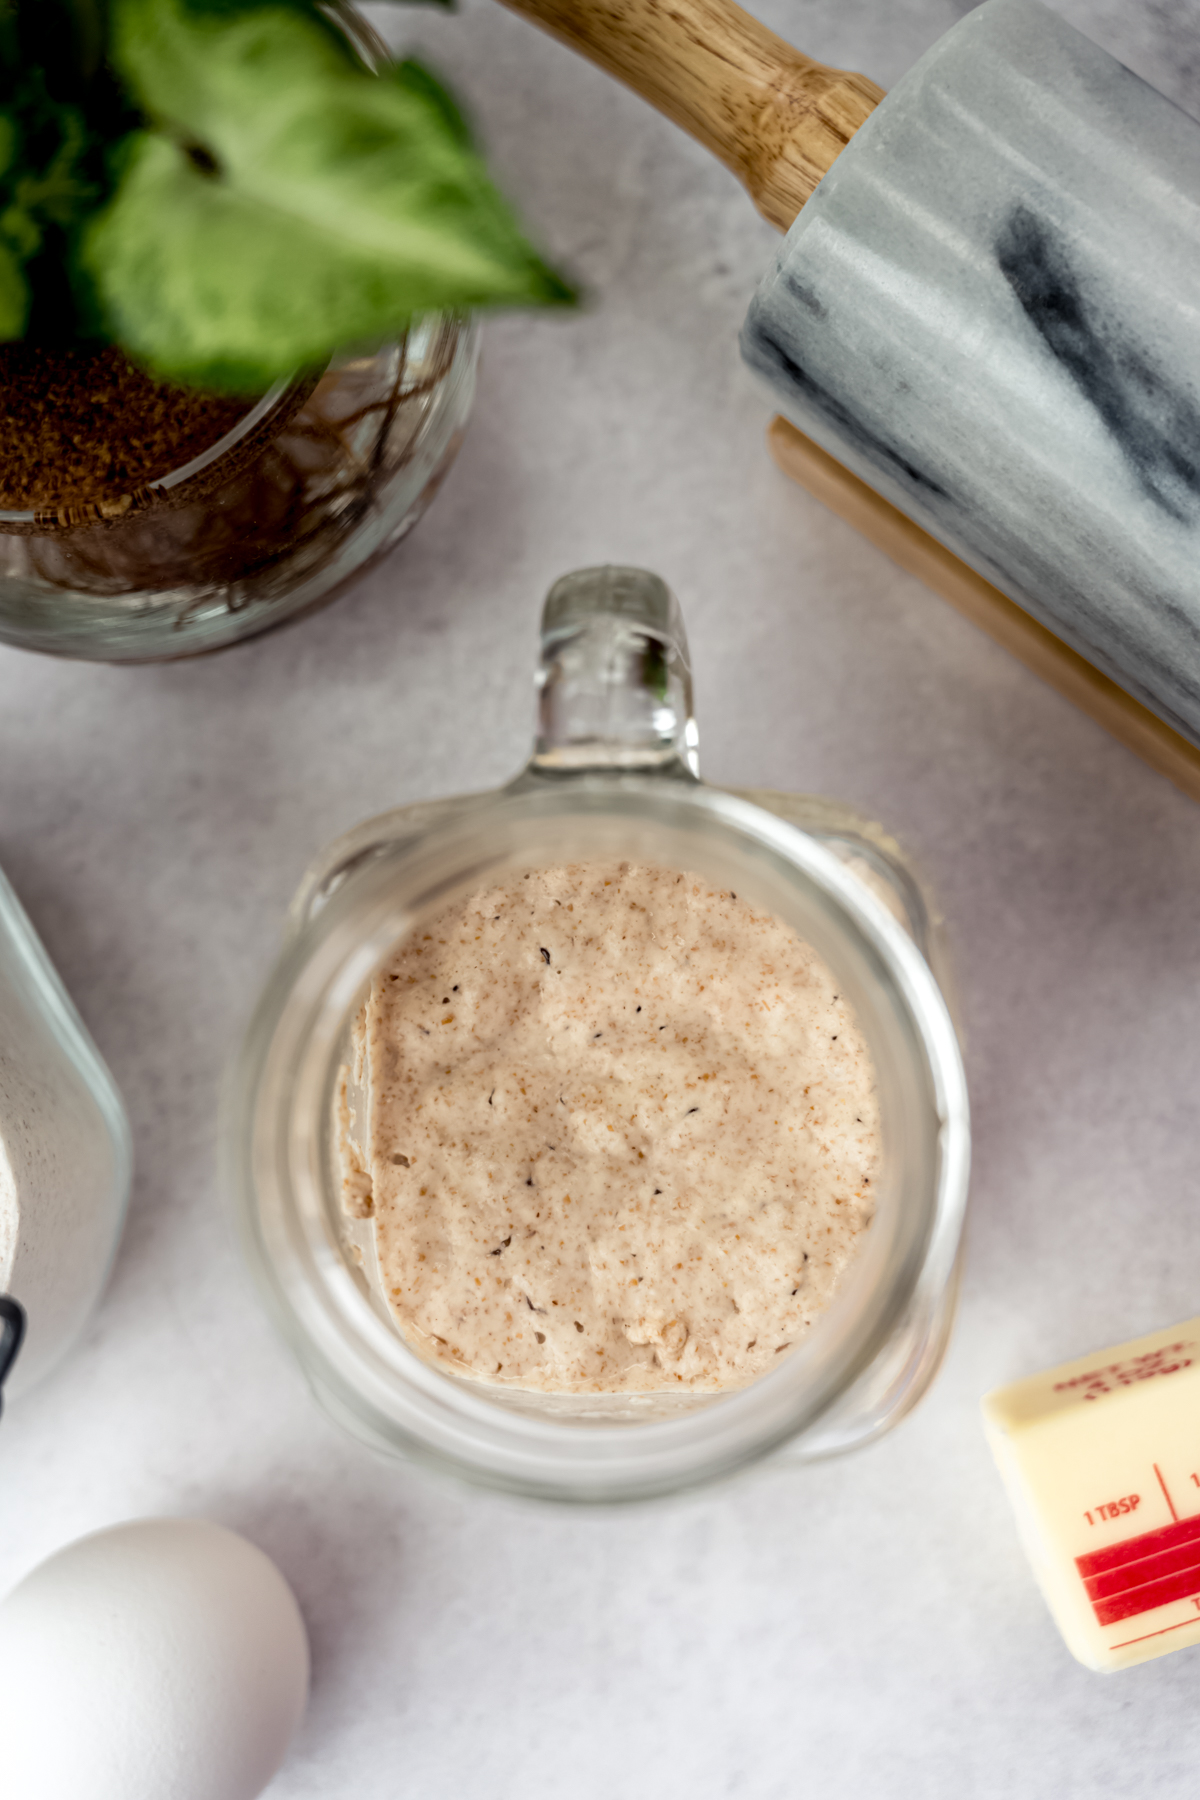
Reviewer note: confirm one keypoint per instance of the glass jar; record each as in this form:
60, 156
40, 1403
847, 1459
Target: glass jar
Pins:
65, 1158
314, 483
318, 479
613, 775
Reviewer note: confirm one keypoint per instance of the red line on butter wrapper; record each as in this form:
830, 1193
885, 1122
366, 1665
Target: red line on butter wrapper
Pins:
1162, 1484
1146, 1636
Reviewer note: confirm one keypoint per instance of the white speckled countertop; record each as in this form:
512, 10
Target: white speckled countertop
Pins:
866, 1628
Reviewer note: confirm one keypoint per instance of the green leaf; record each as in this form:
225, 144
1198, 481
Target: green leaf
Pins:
311, 10
416, 79
289, 203
229, 8
14, 296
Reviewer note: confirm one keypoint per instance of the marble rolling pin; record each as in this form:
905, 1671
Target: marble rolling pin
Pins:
983, 328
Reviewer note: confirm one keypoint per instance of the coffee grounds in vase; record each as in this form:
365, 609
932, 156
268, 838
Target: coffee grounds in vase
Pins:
273, 510
82, 430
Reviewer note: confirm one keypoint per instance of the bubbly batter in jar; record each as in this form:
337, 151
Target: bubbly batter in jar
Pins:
621, 1133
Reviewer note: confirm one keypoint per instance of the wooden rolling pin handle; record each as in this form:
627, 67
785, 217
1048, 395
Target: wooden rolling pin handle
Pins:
773, 116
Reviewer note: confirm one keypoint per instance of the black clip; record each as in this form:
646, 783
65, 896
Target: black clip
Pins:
12, 1330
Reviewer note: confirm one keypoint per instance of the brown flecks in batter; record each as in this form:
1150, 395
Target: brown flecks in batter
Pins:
653, 1092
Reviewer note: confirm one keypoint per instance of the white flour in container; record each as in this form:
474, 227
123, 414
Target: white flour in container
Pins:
64, 1152
8, 1219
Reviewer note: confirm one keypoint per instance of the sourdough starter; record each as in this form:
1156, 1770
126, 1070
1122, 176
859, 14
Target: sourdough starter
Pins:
621, 1134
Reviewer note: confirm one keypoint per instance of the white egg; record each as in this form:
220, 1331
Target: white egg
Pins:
160, 1660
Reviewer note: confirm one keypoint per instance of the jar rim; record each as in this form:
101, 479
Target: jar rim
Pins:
359, 1362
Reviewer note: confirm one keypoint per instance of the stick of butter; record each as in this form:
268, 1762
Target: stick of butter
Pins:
1101, 1459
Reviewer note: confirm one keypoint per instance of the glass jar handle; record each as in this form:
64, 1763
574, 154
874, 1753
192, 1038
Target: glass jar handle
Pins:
614, 680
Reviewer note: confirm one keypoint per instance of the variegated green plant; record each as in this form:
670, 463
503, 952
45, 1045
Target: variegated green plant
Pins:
225, 190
